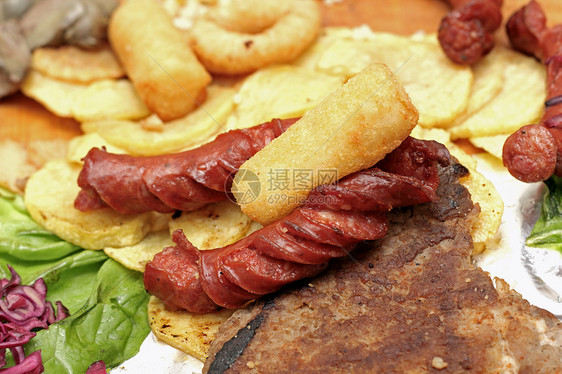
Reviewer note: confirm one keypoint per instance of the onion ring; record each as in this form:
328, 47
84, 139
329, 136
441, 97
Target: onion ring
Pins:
226, 51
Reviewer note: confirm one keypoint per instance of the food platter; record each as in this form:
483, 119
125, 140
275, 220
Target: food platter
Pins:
533, 273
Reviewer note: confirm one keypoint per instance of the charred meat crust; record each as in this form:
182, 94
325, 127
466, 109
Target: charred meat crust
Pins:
412, 301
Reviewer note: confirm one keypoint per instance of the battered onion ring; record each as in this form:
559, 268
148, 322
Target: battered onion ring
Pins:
248, 16
225, 51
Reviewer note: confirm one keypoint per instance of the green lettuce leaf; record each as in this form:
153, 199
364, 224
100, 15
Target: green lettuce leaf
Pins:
23, 238
547, 232
107, 302
110, 327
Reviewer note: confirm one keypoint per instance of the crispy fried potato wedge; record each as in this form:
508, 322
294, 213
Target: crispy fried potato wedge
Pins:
76, 65
483, 192
213, 226
49, 197
188, 332
438, 88
520, 101
152, 137
282, 91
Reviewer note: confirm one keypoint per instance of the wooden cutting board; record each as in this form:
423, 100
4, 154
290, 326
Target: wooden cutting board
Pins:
24, 120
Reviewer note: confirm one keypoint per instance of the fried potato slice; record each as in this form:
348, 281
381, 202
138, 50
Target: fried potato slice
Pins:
55, 95
152, 137
79, 146
520, 101
76, 65
104, 99
109, 99
483, 192
188, 332
136, 256
282, 91
15, 165
49, 197
492, 144
487, 83
213, 226
438, 88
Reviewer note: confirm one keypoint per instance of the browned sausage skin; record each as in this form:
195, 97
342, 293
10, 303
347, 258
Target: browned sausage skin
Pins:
534, 152
182, 181
332, 220
466, 33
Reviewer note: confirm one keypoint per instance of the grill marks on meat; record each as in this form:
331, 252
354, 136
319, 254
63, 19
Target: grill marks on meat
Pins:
411, 301
182, 181
466, 33
332, 220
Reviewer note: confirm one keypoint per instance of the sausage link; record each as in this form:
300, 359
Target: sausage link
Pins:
182, 181
530, 154
534, 152
332, 220
466, 33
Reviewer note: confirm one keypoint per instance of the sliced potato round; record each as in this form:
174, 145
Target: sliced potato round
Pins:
213, 226
136, 256
109, 99
152, 138
79, 146
188, 332
76, 65
492, 144
55, 95
487, 84
520, 101
282, 91
438, 88
49, 197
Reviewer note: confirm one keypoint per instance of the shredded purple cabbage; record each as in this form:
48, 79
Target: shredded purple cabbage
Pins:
22, 309
97, 367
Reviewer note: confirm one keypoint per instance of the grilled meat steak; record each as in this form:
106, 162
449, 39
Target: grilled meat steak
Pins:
411, 302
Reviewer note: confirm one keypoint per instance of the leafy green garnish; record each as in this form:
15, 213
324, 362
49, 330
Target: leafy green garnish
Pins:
547, 232
23, 238
110, 327
107, 302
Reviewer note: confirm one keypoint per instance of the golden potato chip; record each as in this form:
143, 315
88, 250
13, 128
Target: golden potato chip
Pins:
15, 165
491, 144
438, 88
282, 91
57, 96
520, 101
136, 256
213, 226
81, 145
487, 83
109, 99
188, 332
482, 190
309, 59
75, 65
193, 130
42, 151
49, 197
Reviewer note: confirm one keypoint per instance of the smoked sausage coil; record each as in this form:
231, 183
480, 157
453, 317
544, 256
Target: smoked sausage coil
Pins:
182, 181
466, 33
331, 221
534, 152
